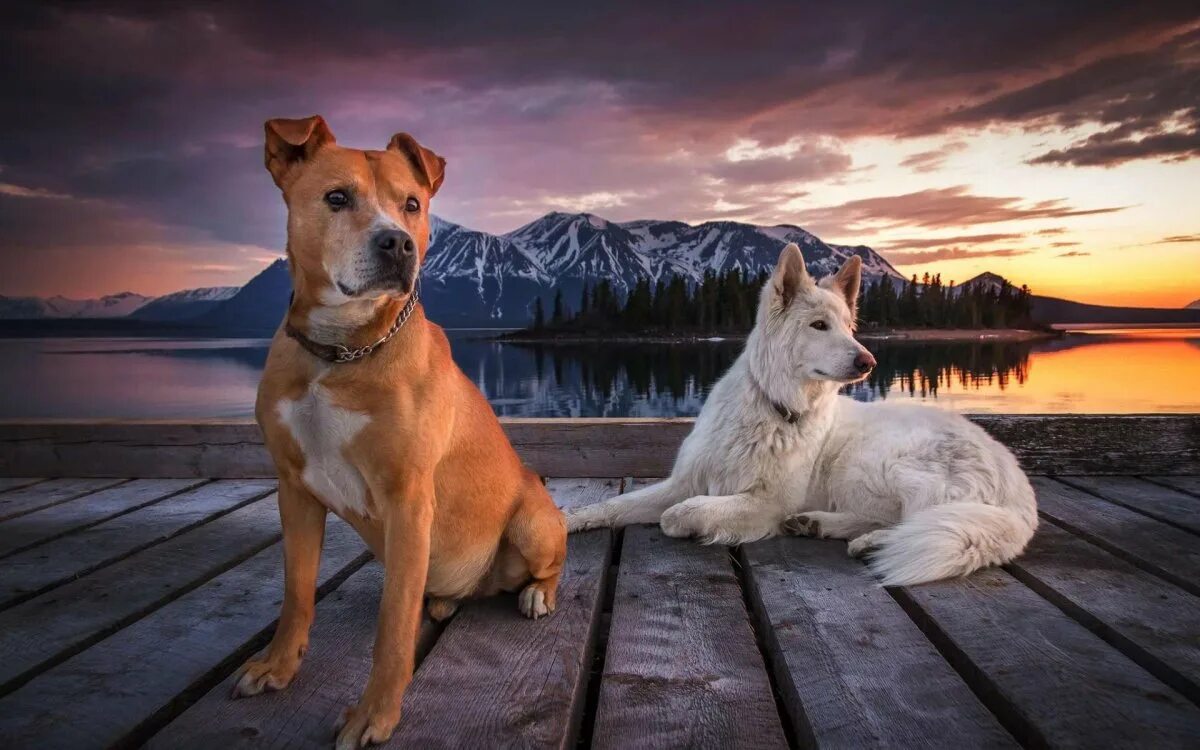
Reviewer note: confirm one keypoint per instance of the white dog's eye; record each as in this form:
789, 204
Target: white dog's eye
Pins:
412, 205
820, 325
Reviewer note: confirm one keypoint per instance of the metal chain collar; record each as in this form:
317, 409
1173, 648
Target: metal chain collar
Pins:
349, 355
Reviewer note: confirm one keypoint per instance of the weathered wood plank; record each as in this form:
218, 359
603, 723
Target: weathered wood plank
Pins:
302, 716
505, 680
1049, 679
682, 667
14, 483
46, 629
1169, 505
37, 527
1164, 550
123, 689
526, 678
1190, 484
853, 669
1166, 444
26, 574
17, 503
1154, 623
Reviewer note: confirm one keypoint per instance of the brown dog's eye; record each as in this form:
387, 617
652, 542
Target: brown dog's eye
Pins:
820, 325
337, 199
412, 205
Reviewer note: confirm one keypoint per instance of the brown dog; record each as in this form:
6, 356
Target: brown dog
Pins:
366, 415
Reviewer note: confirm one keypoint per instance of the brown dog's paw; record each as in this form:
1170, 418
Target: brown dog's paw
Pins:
802, 524
259, 675
360, 727
535, 601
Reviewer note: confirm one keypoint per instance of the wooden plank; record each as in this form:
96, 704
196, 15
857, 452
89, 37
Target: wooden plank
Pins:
1190, 485
57, 520
44, 494
48, 628
852, 668
123, 689
519, 678
1164, 550
26, 574
1048, 678
1168, 505
1154, 623
682, 667
1166, 444
302, 716
526, 679
16, 483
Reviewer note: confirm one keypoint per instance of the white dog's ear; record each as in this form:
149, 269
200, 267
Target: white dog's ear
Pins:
846, 282
790, 277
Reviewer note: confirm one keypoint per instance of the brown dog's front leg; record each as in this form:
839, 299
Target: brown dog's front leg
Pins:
303, 519
408, 524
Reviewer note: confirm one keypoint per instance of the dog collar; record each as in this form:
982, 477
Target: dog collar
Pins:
785, 413
339, 353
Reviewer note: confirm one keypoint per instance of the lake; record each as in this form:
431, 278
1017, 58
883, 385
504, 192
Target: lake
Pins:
1098, 371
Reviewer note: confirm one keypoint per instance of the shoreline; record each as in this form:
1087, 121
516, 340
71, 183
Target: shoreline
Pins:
895, 334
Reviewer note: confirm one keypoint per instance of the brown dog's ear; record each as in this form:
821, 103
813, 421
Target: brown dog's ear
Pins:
431, 166
290, 142
790, 276
846, 282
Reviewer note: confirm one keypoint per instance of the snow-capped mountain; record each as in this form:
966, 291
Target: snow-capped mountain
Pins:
108, 306
473, 278
189, 303
476, 278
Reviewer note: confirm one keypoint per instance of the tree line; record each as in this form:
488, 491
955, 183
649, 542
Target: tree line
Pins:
726, 303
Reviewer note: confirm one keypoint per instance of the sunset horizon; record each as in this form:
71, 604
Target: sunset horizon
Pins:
1057, 146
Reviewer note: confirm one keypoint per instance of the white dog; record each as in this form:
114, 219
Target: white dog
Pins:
775, 449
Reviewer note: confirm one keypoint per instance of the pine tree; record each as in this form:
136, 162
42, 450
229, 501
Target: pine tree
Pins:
556, 317
539, 315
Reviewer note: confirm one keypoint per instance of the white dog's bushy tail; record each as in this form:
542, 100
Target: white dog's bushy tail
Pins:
947, 541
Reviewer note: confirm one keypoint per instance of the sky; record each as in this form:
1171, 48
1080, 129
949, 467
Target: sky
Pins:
1055, 143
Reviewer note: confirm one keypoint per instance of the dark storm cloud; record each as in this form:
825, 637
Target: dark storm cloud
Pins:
154, 110
917, 257
974, 239
1146, 100
941, 208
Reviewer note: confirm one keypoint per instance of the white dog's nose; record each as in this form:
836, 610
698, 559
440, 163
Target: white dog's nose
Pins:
864, 362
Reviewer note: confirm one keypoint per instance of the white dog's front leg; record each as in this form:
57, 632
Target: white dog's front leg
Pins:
722, 519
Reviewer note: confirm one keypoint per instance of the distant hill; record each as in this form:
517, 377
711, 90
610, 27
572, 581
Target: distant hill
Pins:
108, 306
185, 305
1193, 305
1055, 310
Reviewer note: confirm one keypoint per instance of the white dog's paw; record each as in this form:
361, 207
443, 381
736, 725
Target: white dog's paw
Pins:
681, 522
802, 524
864, 544
583, 519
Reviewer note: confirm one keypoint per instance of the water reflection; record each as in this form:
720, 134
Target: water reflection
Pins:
1102, 371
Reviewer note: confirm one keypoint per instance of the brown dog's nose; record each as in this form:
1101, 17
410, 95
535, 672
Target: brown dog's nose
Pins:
394, 243
864, 362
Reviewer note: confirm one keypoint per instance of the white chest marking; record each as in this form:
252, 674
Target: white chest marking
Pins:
323, 431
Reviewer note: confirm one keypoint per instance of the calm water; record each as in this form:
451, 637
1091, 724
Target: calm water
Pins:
1102, 370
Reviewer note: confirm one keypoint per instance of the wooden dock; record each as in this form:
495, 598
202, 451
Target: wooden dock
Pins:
128, 598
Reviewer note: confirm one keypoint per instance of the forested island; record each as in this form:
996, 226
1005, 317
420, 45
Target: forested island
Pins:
724, 304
